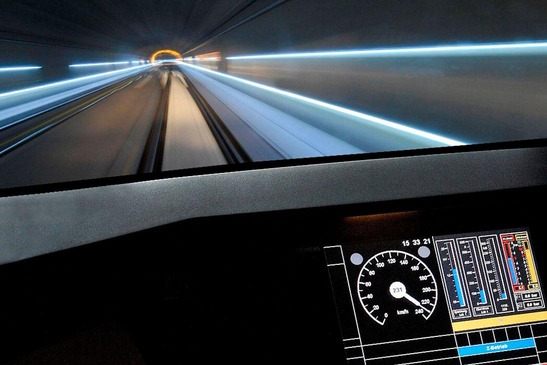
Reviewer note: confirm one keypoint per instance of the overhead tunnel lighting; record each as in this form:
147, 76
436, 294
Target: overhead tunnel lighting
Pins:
19, 68
332, 107
495, 49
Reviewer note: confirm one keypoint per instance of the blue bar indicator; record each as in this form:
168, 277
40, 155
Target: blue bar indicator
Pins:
483, 296
461, 299
494, 347
512, 270
503, 296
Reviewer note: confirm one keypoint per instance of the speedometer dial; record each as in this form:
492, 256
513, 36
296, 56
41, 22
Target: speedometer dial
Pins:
396, 285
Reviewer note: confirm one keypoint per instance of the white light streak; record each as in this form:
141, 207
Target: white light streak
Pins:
19, 68
99, 64
349, 112
65, 82
494, 49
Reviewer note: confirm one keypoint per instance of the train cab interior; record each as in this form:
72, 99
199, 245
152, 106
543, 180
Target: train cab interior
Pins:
273, 181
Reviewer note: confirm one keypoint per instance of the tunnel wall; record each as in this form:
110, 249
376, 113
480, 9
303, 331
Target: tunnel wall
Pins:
310, 25
54, 62
436, 92
446, 95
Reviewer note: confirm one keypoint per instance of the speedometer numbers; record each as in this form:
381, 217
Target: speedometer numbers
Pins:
395, 285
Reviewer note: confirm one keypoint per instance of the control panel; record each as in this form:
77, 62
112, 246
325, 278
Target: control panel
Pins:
456, 298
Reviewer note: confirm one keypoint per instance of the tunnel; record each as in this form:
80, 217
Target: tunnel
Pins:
93, 89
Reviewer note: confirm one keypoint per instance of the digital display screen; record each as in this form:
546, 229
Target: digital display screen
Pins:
465, 298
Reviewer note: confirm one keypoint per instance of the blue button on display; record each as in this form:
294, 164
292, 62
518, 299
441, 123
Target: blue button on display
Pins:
489, 348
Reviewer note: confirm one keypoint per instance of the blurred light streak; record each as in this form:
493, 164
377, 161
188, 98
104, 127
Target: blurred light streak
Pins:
349, 112
498, 49
19, 68
100, 64
65, 82
175, 61
211, 56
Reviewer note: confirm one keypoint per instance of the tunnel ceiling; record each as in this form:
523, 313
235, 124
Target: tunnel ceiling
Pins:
138, 27
141, 27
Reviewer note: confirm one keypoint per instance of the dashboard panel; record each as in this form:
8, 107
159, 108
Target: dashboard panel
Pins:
280, 268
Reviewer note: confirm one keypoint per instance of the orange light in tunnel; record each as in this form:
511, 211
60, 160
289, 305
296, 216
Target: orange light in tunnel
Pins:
166, 51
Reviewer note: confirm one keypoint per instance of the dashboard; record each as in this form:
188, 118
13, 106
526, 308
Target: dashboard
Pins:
397, 258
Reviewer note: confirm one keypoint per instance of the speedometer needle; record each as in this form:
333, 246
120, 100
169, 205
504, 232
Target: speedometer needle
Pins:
415, 302
398, 290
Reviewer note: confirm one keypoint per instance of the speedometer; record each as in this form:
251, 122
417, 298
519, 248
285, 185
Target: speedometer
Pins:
395, 284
